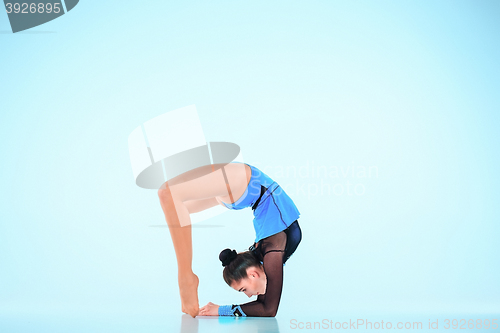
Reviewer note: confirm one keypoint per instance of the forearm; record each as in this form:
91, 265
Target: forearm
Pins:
257, 308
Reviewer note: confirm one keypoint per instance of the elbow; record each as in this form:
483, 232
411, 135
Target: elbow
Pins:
270, 313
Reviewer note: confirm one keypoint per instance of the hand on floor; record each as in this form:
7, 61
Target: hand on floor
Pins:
210, 309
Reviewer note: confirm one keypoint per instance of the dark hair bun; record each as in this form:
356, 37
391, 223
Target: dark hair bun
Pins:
226, 256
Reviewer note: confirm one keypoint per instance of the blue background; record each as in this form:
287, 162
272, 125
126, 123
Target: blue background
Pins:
409, 88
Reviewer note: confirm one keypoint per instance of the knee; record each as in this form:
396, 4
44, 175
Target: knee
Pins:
168, 197
163, 193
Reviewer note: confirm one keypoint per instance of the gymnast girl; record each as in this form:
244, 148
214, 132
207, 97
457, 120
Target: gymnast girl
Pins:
258, 271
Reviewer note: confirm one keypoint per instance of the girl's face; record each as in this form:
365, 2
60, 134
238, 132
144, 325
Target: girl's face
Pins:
253, 284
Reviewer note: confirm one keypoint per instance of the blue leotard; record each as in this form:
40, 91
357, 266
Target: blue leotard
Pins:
275, 211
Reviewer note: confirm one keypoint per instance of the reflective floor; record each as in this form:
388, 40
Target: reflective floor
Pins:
185, 324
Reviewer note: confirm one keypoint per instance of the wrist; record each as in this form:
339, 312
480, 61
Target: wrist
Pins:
231, 310
224, 310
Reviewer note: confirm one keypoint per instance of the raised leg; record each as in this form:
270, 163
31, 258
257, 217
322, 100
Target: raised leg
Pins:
182, 241
177, 201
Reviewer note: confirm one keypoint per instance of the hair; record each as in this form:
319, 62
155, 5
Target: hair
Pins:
236, 264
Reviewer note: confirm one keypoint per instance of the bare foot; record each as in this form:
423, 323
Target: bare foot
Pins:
188, 288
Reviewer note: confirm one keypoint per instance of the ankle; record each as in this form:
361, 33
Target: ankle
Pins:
188, 277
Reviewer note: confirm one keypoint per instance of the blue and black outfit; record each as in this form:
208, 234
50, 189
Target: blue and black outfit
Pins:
277, 236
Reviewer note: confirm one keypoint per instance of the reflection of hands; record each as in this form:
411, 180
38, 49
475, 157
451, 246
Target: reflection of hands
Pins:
210, 309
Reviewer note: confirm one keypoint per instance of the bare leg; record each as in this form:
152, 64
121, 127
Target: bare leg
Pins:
174, 201
182, 241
